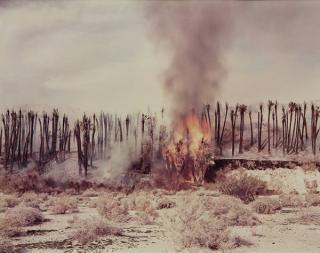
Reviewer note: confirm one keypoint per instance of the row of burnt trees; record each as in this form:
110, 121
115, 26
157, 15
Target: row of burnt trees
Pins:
290, 132
97, 137
18, 138
284, 128
94, 137
55, 138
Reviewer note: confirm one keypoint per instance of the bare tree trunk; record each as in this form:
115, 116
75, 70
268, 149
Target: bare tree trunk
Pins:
270, 104
77, 134
251, 129
277, 128
233, 124
284, 133
291, 107
92, 139
242, 109
260, 122
223, 128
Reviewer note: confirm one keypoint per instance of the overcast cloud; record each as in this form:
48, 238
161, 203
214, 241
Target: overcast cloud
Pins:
95, 55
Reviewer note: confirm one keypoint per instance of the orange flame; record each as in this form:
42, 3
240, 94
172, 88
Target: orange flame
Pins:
191, 132
190, 145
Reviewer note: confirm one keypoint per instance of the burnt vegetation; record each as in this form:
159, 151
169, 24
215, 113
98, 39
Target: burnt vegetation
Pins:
29, 137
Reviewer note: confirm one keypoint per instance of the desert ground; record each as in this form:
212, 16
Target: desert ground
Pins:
271, 210
159, 126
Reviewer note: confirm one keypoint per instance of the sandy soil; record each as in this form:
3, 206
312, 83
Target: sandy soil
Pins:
275, 234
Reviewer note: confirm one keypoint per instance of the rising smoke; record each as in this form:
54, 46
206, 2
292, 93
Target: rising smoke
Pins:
197, 35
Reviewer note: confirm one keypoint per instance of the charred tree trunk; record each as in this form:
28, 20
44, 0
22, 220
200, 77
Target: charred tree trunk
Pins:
77, 135
270, 104
223, 128
277, 127
242, 109
251, 129
260, 122
233, 125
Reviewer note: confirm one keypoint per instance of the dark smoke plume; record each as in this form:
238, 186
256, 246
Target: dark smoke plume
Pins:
197, 35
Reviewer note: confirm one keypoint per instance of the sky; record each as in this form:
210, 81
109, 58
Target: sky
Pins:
99, 55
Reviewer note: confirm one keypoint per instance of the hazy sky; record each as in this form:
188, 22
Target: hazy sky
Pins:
96, 55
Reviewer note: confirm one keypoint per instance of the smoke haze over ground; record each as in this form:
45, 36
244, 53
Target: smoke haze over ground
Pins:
99, 55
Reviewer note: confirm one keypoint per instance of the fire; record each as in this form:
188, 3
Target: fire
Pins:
190, 148
192, 133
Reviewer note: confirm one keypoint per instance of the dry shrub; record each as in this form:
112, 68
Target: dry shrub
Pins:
17, 217
243, 186
90, 193
231, 211
140, 201
71, 192
312, 199
161, 192
292, 200
211, 186
266, 205
144, 208
114, 208
147, 217
291, 165
7, 229
7, 247
89, 230
206, 232
309, 166
64, 205
204, 223
312, 186
23, 182
8, 201
306, 219
32, 199
22, 215
92, 203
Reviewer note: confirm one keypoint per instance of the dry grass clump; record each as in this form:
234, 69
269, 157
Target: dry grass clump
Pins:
266, 205
113, 208
292, 200
64, 205
204, 223
243, 186
306, 219
8, 201
312, 199
89, 230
